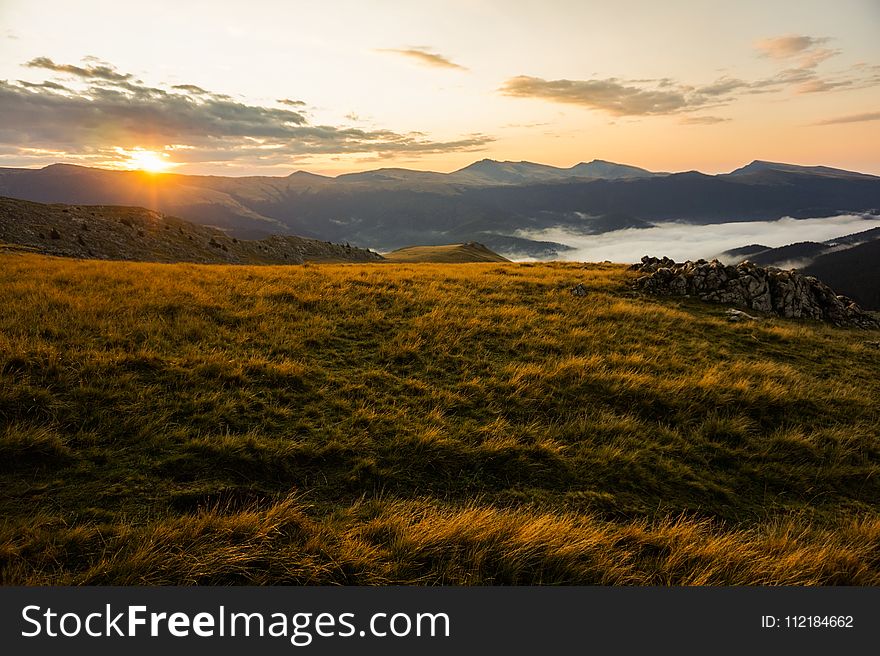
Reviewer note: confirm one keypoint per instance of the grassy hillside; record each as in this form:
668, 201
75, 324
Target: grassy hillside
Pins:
463, 424
112, 232
449, 253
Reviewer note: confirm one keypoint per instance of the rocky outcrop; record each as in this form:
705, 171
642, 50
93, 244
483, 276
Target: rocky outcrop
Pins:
764, 289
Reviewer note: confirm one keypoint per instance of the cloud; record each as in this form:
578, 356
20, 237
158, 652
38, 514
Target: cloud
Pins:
190, 88
723, 87
620, 97
611, 95
807, 51
109, 109
650, 97
820, 86
690, 242
101, 70
43, 85
425, 57
851, 118
291, 103
703, 120
790, 45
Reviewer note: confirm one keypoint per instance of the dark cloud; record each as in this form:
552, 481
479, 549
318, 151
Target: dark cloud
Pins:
190, 88
43, 85
723, 86
292, 103
851, 118
100, 70
113, 110
424, 56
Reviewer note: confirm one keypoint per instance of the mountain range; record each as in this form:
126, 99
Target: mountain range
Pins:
495, 203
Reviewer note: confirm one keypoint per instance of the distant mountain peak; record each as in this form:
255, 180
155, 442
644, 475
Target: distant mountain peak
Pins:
307, 174
600, 168
58, 166
762, 166
510, 172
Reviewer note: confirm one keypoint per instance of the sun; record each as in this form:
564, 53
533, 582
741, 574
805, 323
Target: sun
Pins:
147, 160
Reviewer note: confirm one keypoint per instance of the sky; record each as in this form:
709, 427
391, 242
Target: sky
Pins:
270, 87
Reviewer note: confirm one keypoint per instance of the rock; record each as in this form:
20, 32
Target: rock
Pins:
736, 316
579, 290
764, 289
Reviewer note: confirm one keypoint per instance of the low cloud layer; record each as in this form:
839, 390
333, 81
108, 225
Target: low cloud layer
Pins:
425, 57
98, 108
800, 56
690, 242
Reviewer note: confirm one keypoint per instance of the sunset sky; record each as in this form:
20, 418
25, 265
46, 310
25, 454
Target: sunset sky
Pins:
268, 88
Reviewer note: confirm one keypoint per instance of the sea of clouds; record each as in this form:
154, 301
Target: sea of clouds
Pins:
682, 241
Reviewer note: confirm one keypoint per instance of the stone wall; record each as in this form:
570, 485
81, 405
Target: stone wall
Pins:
746, 285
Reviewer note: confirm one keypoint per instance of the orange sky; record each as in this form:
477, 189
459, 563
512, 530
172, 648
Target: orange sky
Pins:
336, 86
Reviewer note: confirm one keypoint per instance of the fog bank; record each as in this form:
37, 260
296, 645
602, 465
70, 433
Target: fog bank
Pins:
682, 241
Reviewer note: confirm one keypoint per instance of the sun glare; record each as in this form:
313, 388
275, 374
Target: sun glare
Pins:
148, 161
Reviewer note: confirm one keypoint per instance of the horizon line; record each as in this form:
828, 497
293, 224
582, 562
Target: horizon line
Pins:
414, 170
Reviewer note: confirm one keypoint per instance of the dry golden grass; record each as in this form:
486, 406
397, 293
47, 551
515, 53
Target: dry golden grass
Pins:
393, 423
386, 543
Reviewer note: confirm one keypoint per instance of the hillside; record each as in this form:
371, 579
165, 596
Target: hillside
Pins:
423, 424
134, 233
450, 253
854, 272
489, 202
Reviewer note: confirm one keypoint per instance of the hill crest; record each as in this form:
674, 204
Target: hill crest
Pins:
448, 253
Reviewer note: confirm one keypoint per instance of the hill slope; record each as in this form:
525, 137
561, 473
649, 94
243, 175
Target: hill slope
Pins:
450, 253
428, 424
134, 233
854, 272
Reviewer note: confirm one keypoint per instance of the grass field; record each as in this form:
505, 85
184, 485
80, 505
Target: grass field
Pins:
424, 424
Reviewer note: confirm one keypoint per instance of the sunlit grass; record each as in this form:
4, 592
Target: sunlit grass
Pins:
396, 423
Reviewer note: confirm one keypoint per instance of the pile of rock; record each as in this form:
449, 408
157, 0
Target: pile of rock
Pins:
746, 285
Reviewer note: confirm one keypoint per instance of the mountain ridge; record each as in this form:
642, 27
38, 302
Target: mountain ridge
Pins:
498, 204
